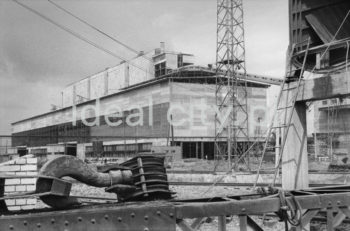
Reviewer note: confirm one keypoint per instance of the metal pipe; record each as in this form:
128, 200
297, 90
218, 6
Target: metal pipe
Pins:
63, 165
71, 166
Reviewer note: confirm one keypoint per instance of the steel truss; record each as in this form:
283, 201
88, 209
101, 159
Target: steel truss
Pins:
168, 215
231, 87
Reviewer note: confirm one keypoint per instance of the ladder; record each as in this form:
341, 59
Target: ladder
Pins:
285, 108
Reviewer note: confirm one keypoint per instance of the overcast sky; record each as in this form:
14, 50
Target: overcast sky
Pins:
38, 59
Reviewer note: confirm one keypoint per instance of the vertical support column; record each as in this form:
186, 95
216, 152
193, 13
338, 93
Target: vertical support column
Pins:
105, 92
88, 88
277, 146
202, 150
81, 151
295, 159
197, 150
243, 224
126, 75
74, 94
182, 150
222, 223
316, 146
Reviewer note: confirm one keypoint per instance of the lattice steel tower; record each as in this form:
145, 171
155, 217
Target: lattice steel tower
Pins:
231, 84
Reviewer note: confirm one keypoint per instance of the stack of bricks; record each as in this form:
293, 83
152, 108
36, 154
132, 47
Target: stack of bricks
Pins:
26, 165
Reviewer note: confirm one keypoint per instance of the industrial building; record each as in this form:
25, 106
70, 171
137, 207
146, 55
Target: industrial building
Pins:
328, 57
159, 87
331, 135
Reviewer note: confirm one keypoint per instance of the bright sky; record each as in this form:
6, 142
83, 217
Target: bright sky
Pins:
37, 59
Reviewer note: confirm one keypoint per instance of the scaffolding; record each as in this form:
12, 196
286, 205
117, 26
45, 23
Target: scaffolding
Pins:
231, 82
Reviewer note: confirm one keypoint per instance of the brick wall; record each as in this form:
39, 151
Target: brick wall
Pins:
26, 165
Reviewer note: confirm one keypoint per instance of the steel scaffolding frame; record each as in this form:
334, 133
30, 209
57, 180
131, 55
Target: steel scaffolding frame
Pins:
231, 87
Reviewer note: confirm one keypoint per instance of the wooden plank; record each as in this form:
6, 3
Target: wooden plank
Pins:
338, 219
331, 86
183, 225
222, 223
346, 211
253, 225
319, 28
197, 223
243, 224
330, 219
308, 216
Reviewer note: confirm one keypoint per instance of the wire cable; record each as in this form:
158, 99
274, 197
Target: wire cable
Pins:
96, 29
78, 35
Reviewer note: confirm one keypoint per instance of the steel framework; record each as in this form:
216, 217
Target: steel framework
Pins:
231, 87
334, 202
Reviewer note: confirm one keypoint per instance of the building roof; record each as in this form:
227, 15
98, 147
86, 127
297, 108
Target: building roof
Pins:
193, 73
199, 71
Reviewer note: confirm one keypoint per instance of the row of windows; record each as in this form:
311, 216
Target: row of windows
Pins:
143, 147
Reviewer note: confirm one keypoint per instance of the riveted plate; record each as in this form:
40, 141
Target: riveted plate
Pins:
129, 216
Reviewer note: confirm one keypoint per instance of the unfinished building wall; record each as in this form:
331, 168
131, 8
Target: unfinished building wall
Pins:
53, 127
198, 101
332, 127
109, 81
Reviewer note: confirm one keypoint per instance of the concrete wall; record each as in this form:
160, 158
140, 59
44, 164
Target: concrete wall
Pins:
109, 81
26, 165
138, 75
332, 126
5, 144
157, 94
193, 98
184, 100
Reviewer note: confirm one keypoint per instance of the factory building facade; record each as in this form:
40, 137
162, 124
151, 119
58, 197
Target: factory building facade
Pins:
331, 128
154, 103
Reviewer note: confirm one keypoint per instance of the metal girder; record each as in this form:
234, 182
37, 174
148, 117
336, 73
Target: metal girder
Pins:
258, 206
162, 215
152, 216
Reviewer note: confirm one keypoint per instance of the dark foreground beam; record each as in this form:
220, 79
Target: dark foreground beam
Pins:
164, 216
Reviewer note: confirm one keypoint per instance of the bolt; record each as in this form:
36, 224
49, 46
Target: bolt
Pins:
106, 217
120, 219
338, 202
132, 214
38, 225
171, 215
11, 227
52, 221
158, 213
66, 223
80, 219
146, 218
25, 223
146, 229
243, 210
93, 221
